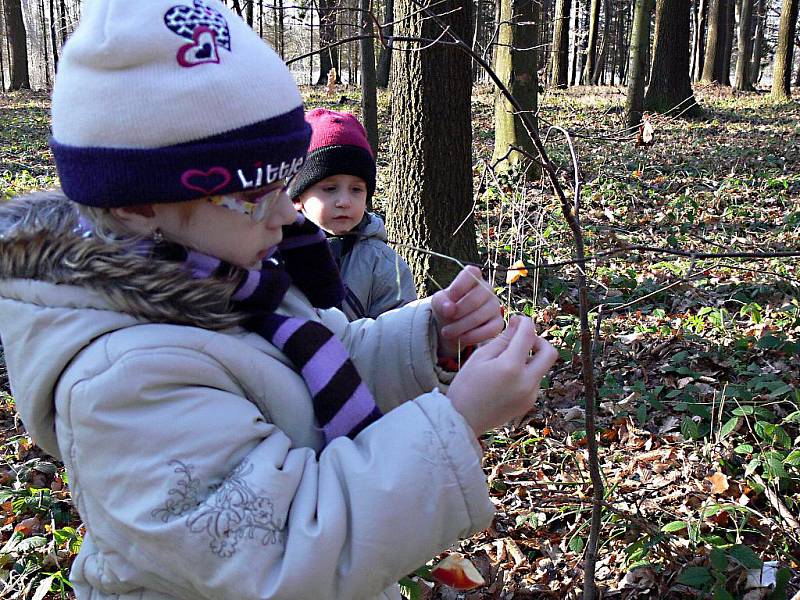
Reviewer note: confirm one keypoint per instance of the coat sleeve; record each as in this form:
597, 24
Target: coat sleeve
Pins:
392, 282
210, 500
394, 353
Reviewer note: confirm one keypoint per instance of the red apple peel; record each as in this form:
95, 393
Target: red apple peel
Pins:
457, 572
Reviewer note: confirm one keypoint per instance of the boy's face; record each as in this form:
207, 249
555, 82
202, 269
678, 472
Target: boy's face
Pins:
336, 204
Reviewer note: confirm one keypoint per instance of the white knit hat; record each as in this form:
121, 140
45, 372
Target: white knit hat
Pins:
157, 101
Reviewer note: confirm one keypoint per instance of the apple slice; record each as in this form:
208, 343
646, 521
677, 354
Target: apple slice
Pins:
457, 572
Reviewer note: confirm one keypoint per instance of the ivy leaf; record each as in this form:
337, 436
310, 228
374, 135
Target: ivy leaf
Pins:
696, 577
745, 556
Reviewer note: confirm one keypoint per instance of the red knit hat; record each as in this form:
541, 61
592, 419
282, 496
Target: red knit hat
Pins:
339, 146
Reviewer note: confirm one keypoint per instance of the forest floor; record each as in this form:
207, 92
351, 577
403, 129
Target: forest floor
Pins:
697, 359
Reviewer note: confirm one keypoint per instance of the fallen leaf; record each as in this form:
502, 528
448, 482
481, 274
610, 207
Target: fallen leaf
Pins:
516, 271
719, 482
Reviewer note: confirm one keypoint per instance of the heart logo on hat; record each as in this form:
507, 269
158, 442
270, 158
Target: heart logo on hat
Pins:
185, 20
202, 50
207, 182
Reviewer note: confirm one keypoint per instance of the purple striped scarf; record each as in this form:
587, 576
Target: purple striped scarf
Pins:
343, 405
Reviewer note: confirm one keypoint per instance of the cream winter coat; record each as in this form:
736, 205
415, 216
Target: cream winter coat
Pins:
193, 455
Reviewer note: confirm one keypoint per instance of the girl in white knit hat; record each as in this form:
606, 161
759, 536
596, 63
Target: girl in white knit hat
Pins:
167, 336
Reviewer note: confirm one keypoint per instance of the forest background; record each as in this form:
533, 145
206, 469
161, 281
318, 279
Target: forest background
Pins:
626, 173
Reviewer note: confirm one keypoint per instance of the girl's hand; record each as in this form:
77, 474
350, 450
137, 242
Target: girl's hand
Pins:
501, 379
467, 312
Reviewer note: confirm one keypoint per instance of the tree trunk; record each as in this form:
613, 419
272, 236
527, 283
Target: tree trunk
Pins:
45, 44
584, 43
54, 34
730, 26
249, 12
574, 41
281, 41
758, 42
745, 46
600, 62
328, 58
369, 92
782, 69
621, 51
712, 65
591, 44
385, 57
17, 37
517, 70
637, 62
430, 194
699, 40
560, 48
670, 85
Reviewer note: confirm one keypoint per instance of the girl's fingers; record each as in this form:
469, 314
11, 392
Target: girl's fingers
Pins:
524, 337
495, 347
473, 300
487, 331
467, 279
544, 356
473, 320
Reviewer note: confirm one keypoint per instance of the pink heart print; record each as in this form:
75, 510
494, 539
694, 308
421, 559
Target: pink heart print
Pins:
207, 182
202, 50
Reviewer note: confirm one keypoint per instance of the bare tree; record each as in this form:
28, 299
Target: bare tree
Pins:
17, 37
516, 65
591, 47
369, 95
699, 45
637, 62
328, 58
758, 42
745, 45
385, 56
782, 69
715, 42
670, 85
430, 194
560, 48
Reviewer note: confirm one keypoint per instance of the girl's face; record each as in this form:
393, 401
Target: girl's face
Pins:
212, 227
336, 204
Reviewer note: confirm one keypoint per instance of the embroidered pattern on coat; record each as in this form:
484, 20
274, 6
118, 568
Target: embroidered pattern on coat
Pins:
231, 511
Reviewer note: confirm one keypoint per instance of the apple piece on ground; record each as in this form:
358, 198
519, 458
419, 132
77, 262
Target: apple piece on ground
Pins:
457, 572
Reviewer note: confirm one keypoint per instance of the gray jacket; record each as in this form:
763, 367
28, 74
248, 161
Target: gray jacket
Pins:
377, 279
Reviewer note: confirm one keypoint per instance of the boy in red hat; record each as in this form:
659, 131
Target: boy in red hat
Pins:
333, 189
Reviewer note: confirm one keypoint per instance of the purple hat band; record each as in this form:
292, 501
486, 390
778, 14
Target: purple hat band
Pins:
245, 158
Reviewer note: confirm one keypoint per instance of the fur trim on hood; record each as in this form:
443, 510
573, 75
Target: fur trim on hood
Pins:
40, 240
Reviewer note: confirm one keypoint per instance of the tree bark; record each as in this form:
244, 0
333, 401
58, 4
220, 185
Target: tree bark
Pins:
670, 85
584, 43
430, 194
574, 41
560, 48
745, 46
385, 57
758, 42
782, 69
637, 62
600, 61
699, 40
730, 26
516, 65
328, 58
712, 65
591, 45
369, 94
19, 77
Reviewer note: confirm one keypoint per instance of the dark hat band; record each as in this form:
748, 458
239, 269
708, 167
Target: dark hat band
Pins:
328, 161
248, 157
